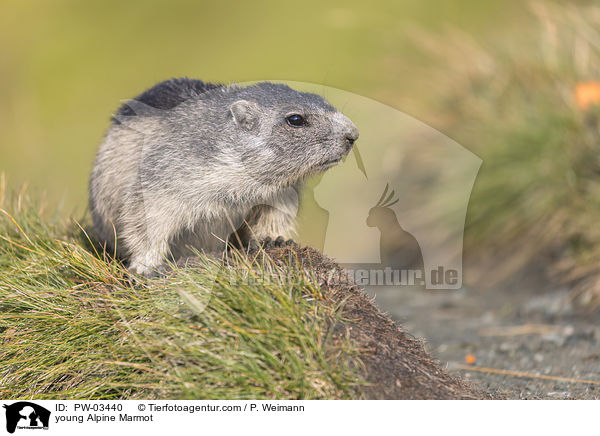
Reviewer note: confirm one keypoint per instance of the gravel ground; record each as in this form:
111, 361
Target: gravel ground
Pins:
517, 329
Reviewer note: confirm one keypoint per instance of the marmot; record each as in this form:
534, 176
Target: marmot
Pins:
186, 163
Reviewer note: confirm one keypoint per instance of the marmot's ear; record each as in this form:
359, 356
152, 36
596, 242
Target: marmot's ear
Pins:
245, 114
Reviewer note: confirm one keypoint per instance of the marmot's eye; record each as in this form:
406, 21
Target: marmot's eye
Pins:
295, 120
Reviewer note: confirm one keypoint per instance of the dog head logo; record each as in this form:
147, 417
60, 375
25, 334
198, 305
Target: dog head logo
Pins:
26, 415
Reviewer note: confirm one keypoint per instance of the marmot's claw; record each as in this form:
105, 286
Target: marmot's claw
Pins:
253, 245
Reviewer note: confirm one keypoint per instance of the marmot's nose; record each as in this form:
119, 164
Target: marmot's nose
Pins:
352, 136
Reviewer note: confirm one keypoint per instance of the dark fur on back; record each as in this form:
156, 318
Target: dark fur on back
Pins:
168, 94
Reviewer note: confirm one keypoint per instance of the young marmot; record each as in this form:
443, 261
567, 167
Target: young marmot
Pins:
187, 162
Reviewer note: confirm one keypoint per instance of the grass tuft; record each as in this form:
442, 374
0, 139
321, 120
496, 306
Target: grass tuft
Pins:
72, 325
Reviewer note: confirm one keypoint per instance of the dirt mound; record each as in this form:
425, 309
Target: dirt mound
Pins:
396, 365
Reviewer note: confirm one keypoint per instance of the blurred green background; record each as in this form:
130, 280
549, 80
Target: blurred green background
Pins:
65, 66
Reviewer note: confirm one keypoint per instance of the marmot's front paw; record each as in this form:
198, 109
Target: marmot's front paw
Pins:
149, 273
280, 241
268, 242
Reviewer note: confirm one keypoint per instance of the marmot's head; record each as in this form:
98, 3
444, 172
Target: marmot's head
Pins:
288, 135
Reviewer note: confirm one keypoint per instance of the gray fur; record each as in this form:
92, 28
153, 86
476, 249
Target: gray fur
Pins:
167, 177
